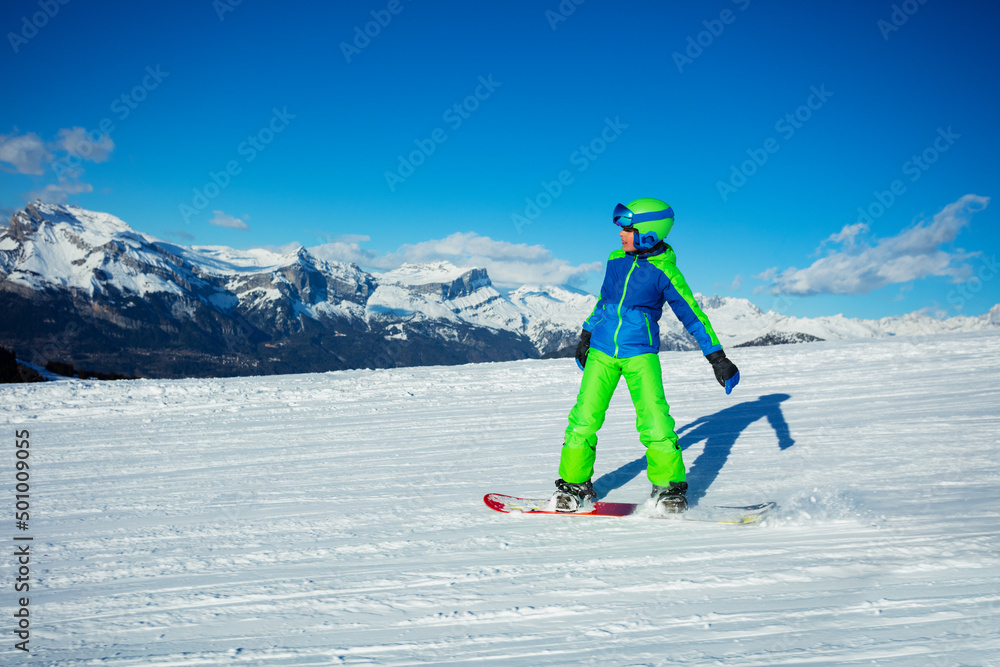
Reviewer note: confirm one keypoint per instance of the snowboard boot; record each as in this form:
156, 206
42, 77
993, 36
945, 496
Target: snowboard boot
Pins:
670, 499
573, 497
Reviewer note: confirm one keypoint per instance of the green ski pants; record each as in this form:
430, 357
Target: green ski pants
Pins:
652, 418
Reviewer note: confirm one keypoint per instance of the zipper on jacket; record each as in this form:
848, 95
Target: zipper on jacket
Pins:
649, 332
635, 261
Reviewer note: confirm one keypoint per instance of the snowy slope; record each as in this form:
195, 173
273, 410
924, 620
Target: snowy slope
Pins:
337, 518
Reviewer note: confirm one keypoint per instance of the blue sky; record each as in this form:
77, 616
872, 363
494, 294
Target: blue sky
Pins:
821, 158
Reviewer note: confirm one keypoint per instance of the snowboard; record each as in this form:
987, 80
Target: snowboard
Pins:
740, 514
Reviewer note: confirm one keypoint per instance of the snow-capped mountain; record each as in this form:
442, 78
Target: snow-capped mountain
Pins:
550, 316
86, 287
441, 292
739, 322
83, 287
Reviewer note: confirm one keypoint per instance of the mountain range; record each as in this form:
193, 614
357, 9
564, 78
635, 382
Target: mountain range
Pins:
82, 287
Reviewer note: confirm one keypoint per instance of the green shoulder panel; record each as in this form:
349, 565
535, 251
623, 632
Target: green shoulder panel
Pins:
667, 262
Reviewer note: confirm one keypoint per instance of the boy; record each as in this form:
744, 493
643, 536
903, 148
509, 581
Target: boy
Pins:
622, 337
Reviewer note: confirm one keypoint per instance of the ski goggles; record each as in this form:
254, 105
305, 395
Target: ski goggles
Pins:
624, 217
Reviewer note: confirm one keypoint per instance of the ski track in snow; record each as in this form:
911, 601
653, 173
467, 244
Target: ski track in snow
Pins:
337, 518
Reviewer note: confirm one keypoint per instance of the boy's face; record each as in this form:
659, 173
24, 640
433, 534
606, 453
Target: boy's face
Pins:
628, 239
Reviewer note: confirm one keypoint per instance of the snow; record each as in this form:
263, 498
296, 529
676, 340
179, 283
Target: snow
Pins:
425, 274
738, 321
69, 245
486, 308
326, 309
395, 297
337, 518
561, 307
223, 260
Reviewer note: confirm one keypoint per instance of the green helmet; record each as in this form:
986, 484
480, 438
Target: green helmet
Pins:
651, 218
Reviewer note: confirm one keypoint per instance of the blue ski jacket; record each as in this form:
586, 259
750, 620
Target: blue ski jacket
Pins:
626, 320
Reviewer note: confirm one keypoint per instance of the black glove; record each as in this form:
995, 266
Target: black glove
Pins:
725, 371
582, 348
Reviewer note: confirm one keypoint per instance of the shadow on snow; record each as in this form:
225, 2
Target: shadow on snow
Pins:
720, 432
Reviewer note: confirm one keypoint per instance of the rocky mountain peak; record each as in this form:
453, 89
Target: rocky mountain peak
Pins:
439, 278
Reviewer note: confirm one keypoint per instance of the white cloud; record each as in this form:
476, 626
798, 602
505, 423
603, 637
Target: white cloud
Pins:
767, 275
348, 252
507, 263
59, 193
76, 141
353, 238
861, 267
846, 236
228, 221
27, 153
286, 249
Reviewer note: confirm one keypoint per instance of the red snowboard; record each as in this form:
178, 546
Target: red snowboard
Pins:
712, 514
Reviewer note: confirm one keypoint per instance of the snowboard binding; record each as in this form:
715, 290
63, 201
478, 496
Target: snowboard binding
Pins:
573, 497
670, 499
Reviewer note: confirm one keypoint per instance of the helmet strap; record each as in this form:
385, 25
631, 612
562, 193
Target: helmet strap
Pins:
660, 245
